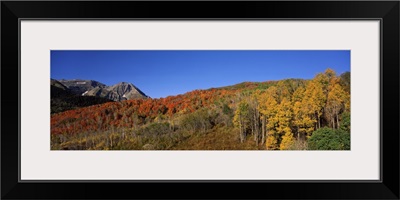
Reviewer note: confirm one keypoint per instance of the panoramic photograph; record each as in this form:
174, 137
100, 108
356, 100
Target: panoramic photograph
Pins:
267, 100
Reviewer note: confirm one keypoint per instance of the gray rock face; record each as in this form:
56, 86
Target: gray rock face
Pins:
103, 92
118, 92
127, 91
57, 84
79, 86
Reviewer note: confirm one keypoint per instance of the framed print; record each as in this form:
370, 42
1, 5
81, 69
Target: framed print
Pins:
298, 96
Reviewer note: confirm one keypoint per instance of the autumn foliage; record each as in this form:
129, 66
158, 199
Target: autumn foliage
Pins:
134, 113
272, 115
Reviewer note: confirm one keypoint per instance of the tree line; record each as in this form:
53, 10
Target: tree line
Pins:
291, 111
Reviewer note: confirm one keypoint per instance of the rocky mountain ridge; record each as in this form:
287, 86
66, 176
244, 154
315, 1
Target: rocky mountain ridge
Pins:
118, 92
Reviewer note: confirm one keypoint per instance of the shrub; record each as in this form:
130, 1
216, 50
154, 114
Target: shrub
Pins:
329, 139
298, 144
199, 121
155, 129
345, 122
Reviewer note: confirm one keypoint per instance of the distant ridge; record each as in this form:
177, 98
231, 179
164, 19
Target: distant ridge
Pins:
79, 86
118, 92
64, 98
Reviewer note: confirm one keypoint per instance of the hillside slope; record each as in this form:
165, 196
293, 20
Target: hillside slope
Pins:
274, 115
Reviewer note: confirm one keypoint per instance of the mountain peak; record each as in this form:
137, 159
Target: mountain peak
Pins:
124, 83
128, 91
118, 92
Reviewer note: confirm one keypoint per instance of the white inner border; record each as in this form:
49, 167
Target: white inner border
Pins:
39, 163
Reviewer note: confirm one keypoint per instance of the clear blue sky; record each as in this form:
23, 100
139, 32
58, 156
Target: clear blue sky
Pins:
171, 72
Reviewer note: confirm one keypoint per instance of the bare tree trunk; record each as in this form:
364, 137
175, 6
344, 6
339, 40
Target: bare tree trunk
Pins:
244, 132
257, 124
241, 129
319, 122
252, 127
243, 135
266, 137
337, 121
255, 127
298, 133
263, 130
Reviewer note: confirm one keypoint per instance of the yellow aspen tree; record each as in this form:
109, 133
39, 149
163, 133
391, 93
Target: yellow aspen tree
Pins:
287, 141
302, 122
272, 123
283, 90
308, 106
345, 84
261, 97
284, 131
268, 108
255, 116
315, 96
346, 98
241, 118
330, 74
335, 103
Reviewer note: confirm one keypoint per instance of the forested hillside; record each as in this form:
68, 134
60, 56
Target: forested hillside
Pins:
291, 114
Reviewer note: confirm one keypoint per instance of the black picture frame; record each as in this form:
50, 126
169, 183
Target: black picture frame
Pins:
386, 11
